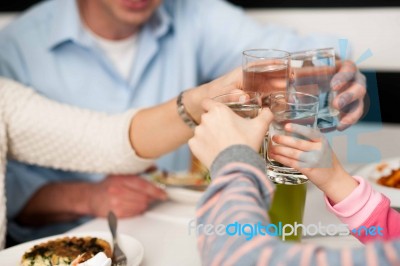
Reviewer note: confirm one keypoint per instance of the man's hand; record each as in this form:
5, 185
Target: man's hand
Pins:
57, 202
126, 195
351, 87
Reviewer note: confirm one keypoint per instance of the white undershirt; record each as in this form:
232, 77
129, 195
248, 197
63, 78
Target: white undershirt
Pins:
121, 52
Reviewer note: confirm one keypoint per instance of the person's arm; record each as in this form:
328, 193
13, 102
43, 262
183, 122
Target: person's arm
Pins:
55, 135
352, 199
367, 208
126, 195
241, 193
164, 128
51, 134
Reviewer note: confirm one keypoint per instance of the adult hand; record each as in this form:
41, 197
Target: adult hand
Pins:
126, 195
220, 128
351, 87
228, 83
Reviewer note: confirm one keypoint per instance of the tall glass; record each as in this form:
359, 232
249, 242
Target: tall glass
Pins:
311, 72
244, 104
288, 203
265, 71
289, 107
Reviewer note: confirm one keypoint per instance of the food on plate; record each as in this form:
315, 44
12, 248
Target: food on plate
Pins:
388, 174
181, 179
63, 251
392, 180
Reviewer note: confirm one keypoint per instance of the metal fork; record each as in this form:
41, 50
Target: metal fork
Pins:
118, 257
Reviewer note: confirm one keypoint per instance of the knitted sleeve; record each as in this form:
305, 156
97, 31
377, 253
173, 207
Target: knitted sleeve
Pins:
56, 135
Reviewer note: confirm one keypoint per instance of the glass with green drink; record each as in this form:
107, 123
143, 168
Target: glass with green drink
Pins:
290, 195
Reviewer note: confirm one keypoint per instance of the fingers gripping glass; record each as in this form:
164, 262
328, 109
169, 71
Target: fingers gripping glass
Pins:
289, 107
312, 72
244, 104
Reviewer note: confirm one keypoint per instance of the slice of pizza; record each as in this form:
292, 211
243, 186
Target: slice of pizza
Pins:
62, 251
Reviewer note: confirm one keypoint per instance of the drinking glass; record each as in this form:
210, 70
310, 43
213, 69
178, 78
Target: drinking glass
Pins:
311, 72
244, 104
289, 107
265, 71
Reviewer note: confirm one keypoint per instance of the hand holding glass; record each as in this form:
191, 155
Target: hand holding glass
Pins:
244, 104
289, 107
311, 72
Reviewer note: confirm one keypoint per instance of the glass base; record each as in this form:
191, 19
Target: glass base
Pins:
285, 175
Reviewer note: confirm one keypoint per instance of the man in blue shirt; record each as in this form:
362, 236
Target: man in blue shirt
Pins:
109, 56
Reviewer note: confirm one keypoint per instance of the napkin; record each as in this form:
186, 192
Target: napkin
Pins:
99, 260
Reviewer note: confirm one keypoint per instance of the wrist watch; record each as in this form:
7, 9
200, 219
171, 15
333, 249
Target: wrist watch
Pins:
186, 117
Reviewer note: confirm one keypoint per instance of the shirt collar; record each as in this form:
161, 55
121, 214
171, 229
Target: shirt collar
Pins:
160, 22
67, 24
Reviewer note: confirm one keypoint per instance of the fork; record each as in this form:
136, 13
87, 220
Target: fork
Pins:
118, 257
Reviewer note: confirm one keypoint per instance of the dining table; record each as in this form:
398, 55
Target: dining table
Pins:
164, 229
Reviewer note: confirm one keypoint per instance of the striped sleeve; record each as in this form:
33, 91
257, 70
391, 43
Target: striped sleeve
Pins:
239, 196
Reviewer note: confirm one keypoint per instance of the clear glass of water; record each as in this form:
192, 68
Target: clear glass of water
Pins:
311, 72
265, 71
289, 107
244, 104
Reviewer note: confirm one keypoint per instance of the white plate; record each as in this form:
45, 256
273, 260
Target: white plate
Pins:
133, 248
369, 172
184, 195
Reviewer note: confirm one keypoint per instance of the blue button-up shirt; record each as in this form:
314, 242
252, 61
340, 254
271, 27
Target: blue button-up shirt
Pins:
185, 43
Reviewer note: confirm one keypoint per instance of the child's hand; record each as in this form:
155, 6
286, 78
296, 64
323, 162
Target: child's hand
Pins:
311, 154
220, 128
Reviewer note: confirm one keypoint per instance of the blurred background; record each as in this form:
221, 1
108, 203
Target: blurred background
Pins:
368, 24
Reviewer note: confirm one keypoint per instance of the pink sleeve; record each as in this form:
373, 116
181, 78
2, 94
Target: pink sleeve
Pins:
365, 209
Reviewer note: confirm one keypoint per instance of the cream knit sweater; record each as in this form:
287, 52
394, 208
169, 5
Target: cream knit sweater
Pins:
39, 131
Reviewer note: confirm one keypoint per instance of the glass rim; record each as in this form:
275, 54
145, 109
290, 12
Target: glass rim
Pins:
312, 51
247, 53
316, 102
251, 93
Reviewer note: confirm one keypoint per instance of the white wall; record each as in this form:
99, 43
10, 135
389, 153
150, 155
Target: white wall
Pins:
377, 29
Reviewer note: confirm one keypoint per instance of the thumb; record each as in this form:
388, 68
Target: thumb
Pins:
265, 116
